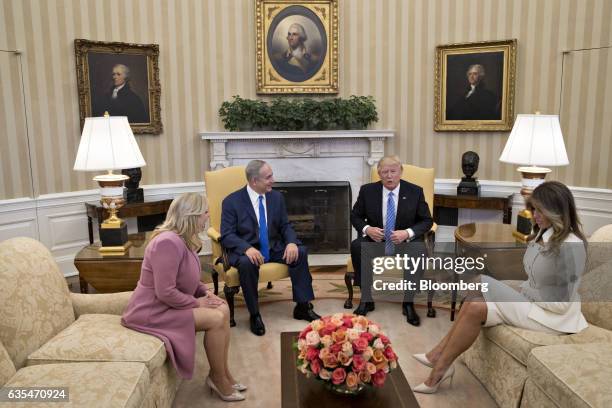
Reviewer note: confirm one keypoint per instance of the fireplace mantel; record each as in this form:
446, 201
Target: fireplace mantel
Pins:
226, 146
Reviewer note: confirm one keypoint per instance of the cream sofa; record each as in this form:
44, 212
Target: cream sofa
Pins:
523, 368
53, 338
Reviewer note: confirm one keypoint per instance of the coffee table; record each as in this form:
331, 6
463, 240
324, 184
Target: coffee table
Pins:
119, 273
300, 392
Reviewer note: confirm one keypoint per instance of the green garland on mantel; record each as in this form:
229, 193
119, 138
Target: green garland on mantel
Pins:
282, 114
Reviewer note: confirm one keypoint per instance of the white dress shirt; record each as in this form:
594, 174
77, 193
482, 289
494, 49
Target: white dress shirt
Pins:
254, 196
385, 198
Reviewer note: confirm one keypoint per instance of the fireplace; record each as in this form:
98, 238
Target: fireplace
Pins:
319, 212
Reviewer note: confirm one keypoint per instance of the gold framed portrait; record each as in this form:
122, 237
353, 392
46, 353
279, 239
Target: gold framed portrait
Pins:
474, 86
297, 46
121, 79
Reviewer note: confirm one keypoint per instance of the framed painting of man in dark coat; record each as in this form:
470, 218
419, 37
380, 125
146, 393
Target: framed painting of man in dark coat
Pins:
475, 86
121, 79
297, 46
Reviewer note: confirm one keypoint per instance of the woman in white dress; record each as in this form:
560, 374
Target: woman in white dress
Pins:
548, 301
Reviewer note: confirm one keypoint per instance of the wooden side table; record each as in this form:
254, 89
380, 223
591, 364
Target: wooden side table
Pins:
120, 273
485, 201
149, 214
504, 254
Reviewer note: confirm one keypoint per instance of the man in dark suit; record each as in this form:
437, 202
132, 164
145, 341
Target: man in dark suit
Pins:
477, 102
120, 100
392, 211
255, 229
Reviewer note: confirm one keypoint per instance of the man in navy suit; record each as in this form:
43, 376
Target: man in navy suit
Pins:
392, 211
255, 229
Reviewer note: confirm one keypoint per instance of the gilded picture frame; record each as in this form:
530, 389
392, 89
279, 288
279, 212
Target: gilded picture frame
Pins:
474, 86
297, 46
121, 79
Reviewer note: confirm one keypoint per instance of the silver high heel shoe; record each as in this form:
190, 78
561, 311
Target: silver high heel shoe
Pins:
422, 358
239, 387
424, 389
234, 396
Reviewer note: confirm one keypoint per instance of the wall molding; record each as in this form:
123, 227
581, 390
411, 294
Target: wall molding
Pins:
59, 220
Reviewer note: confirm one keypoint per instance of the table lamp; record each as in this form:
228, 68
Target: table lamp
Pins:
108, 144
534, 142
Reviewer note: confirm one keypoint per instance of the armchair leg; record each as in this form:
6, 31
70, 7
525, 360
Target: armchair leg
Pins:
431, 312
269, 285
215, 278
229, 293
348, 280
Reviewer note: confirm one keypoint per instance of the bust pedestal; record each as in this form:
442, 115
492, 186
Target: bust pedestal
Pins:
468, 186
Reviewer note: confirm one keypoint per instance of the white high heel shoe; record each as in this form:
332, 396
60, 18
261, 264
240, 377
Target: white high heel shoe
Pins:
422, 358
234, 396
239, 387
424, 389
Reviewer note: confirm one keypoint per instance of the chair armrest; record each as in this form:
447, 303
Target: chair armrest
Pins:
103, 303
214, 234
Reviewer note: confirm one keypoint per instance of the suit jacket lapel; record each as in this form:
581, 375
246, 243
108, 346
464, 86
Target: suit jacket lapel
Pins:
249, 205
269, 209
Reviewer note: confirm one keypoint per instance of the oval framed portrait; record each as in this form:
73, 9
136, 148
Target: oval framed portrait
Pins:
297, 46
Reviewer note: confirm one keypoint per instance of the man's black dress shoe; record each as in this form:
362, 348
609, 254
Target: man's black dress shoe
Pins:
411, 315
305, 311
257, 325
364, 308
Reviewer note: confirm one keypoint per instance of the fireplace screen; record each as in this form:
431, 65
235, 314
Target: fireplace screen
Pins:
320, 214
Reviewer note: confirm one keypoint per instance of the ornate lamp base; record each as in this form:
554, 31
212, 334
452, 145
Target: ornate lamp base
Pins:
531, 178
113, 231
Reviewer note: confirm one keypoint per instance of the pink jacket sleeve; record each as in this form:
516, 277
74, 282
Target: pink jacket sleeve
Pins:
165, 260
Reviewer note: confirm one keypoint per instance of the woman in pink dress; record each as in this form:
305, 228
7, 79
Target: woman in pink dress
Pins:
171, 303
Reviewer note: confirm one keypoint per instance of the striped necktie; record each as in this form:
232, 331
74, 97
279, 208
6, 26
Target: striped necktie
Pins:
389, 225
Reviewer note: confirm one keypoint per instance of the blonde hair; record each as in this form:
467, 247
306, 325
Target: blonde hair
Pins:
182, 218
556, 202
394, 159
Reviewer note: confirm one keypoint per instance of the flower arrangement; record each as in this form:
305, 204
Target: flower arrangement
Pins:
345, 351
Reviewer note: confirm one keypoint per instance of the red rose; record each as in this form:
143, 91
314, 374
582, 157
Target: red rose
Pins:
359, 362
367, 336
390, 354
312, 353
335, 348
348, 322
315, 366
339, 375
360, 345
384, 339
378, 379
304, 332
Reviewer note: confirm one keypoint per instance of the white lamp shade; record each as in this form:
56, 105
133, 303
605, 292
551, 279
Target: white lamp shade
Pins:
107, 143
535, 140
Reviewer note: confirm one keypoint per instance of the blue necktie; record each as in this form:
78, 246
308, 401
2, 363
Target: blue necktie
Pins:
389, 225
264, 245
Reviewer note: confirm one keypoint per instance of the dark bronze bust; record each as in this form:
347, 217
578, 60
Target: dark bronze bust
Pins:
133, 194
469, 164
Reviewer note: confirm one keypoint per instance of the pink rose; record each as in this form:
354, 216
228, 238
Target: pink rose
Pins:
360, 345
338, 376
347, 322
358, 363
315, 366
335, 348
312, 353
367, 336
329, 328
390, 354
312, 339
304, 332
371, 368
384, 339
378, 378
378, 344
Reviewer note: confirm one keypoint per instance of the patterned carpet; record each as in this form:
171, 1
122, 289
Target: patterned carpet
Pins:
327, 286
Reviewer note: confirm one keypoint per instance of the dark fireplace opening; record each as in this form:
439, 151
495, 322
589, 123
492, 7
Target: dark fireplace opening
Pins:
319, 212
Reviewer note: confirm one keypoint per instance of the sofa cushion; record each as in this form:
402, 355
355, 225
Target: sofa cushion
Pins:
576, 375
520, 342
596, 294
89, 384
100, 337
7, 368
34, 299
